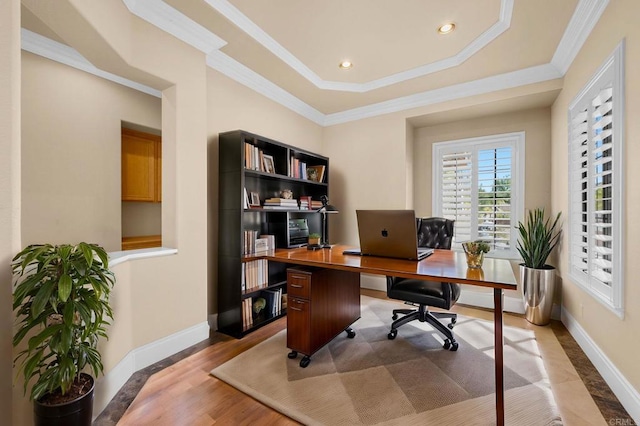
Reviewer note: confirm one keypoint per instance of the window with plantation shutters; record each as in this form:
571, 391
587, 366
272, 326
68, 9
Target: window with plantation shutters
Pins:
479, 183
595, 179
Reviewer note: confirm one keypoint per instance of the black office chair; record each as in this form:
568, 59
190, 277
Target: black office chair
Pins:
434, 232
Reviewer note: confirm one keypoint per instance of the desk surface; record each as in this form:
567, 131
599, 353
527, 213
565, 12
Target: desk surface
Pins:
444, 265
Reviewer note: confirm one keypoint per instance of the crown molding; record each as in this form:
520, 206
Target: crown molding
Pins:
580, 26
50, 49
168, 19
230, 12
584, 19
254, 81
494, 83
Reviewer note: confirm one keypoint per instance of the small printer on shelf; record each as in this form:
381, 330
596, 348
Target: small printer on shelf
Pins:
298, 232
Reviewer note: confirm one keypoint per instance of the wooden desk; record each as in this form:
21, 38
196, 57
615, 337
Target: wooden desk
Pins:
445, 265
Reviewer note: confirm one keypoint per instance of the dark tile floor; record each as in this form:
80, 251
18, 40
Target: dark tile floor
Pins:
611, 409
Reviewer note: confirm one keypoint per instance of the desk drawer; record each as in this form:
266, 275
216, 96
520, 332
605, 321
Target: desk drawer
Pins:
298, 283
299, 325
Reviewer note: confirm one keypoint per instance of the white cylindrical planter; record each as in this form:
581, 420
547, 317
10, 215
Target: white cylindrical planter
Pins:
538, 286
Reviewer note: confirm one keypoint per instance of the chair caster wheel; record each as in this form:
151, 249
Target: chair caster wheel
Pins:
392, 334
450, 345
292, 355
350, 333
304, 362
452, 323
394, 317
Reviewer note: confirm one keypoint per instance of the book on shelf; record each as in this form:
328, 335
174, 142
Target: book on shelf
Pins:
280, 204
305, 202
271, 241
316, 204
297, 169
247, 312
249, 241
273, 299
261, 245
255, 275
245, 203
256, 159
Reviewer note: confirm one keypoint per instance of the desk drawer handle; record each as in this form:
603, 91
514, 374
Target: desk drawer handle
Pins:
300, 277
295, 309
296, 286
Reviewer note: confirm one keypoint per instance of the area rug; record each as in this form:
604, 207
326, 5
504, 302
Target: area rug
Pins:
370, 380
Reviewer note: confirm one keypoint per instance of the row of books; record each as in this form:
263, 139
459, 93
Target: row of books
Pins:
251, 244
299, 169
256, 159
305, 203
280, 203
255, 275
268, 304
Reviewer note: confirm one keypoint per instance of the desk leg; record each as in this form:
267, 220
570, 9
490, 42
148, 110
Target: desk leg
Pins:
499, 350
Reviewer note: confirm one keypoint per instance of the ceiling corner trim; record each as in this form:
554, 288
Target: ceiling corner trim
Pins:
229, 11
584, 19
168, 19
50, 49
236, 71
532, 75
240, 20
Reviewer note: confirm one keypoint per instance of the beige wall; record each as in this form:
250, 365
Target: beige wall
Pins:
232, 106
614, 336
535, 123
154, 297
9, 186
71, 153
141, 218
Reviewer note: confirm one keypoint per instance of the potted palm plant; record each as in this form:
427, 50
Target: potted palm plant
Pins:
61, 299
537, 239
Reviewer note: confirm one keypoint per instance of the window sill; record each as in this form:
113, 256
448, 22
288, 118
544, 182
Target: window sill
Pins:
118, 257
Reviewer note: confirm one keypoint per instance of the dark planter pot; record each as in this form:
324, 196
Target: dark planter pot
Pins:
73, 413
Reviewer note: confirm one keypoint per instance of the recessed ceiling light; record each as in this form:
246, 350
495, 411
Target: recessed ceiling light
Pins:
345, 65
447, 28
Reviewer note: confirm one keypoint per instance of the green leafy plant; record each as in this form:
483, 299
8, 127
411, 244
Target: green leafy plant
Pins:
538, 237
314, 236
476, 247
61, 296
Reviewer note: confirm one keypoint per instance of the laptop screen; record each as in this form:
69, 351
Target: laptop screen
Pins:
389, 233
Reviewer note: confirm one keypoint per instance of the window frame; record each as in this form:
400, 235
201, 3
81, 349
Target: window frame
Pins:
611, 72
514, 140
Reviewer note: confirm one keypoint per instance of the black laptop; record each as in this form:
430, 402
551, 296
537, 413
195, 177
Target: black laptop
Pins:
389, 233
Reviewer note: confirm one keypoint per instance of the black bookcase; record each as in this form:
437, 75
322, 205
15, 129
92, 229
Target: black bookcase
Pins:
239, 178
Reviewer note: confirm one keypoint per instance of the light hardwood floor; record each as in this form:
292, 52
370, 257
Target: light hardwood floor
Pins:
186, 394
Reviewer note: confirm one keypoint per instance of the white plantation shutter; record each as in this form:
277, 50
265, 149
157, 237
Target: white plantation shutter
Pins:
456, 192
474, 182
494, 197
595, 179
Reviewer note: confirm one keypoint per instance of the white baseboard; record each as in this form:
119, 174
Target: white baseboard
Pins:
139, 358
624, 391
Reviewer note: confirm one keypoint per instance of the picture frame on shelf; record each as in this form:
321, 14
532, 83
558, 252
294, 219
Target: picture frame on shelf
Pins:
316, 173
254, 200
269, 165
